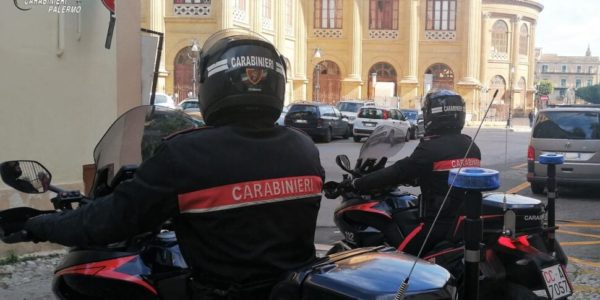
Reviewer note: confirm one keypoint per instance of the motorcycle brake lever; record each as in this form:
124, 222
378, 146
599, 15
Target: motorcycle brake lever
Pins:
380, 164
367, 166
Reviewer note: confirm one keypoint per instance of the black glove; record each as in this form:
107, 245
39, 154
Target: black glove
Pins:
12, 224
347, 185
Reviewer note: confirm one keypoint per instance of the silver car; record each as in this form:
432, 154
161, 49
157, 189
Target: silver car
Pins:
573, 131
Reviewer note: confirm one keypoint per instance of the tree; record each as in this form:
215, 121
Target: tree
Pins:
545, 88
589, 93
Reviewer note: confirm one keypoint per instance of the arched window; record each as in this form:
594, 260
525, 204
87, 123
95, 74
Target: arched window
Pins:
385, 73
500, 37
328, 14
441, 15
524, 40
442, 76
383, 14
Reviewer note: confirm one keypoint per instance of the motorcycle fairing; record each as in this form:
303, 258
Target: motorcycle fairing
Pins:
357, 274
122, 268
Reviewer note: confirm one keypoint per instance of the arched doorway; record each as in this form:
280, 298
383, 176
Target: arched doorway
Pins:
326, 82
382, 73
442, 77
499, 109
183, 78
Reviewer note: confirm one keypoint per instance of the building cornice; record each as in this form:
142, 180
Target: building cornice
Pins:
526, 3
512, 17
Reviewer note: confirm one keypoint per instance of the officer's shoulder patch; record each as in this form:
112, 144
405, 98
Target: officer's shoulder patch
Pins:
185, 131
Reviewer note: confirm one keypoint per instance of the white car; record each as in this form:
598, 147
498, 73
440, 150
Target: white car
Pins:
369, 117
349, 108
164, 100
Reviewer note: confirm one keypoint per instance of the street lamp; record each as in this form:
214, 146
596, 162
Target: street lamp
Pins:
195, 53
510, 95
317, 55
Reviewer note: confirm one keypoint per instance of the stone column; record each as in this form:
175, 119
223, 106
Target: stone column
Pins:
473, 42
484, 96
531, 66
351, 86
485, 48
226, 14
468, 86
156, 22
255, 15
410, 83
299, 60
514, 58
413, 44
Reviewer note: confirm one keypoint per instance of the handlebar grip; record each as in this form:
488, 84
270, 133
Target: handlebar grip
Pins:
17, 237
331, 190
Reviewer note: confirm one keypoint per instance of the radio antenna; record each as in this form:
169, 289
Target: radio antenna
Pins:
404, 286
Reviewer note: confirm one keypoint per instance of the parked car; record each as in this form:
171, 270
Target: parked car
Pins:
281, 120
415, 118
369, 117
319, 120
191, 106
349, 108
164, 100
570, 130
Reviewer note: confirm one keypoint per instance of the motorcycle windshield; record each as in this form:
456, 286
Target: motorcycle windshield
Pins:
385, 141
135, 135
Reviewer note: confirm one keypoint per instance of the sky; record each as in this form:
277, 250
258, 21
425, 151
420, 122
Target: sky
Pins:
566, 27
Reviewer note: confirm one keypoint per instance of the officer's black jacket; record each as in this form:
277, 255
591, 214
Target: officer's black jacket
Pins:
244, 202
428, 166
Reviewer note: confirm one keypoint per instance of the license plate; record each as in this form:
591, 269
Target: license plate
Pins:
370, 124
301, 121
557, 284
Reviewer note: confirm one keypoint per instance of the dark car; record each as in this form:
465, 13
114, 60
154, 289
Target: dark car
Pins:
415, 118
318, 120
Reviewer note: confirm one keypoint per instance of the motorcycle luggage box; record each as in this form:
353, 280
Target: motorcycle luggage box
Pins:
529, 211
373, 273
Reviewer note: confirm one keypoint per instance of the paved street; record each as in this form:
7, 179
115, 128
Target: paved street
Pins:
577, 209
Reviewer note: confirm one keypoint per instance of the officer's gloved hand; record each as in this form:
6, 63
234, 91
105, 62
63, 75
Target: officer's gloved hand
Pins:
13, 224
348, 185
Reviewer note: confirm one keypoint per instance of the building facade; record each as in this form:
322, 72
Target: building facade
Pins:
370, 49
61, 88
567, 74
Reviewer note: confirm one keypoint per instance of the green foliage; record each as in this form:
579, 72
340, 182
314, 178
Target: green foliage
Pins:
545, 88
10, 259
589, 93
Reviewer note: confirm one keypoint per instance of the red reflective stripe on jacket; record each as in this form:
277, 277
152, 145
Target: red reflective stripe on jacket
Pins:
446, 165
250, 193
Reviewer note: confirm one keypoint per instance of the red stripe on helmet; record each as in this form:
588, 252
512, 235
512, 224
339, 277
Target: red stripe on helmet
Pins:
446, 165
250, 193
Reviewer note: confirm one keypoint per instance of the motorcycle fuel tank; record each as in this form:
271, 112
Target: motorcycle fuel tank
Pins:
376, 273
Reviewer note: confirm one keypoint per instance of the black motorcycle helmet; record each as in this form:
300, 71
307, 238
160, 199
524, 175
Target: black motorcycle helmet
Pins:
443, 111
242, 78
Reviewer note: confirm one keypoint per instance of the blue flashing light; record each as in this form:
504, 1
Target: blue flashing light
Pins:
476, 179
552, 159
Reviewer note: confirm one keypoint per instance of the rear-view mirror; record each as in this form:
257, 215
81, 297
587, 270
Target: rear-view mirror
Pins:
26, 176
343, 161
